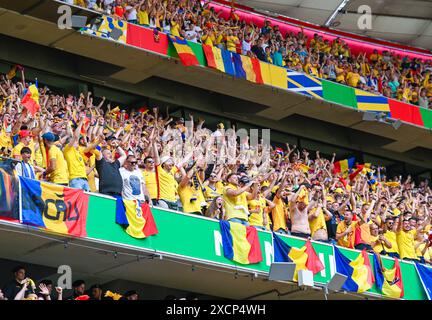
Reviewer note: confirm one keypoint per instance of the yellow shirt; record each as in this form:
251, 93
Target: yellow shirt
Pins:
256, 218
235, 206
378, 247
352, 79
208, 39
420, 249
75, 163
5, 140
16, 151
187, 193
175, 29
167, 184
279, 214
210, 194
390, 236
405, 242
143, 17
340, 75
60, 174
317, 223
150, 181
348, 240
231, 43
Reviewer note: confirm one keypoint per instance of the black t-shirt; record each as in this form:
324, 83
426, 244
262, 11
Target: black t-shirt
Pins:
11, 289
259, 52
110, 180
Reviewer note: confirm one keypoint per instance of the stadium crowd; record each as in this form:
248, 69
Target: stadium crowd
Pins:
393, 76
143, 155
22, 287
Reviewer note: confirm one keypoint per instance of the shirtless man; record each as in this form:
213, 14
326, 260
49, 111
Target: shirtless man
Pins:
299, 215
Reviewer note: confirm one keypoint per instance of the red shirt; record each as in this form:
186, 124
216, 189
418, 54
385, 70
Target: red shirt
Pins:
119, 11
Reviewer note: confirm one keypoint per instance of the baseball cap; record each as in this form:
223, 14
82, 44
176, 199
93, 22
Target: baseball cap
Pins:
49, 136
165, 159
24, 133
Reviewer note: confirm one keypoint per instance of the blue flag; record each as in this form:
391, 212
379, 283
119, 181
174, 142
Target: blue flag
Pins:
425, 275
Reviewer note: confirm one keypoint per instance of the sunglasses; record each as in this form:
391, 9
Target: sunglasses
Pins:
133, 162
150, 161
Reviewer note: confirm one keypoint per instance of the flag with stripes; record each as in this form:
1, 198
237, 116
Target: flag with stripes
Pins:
304, 84
371, 102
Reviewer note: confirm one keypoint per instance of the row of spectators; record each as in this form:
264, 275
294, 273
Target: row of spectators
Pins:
21, 287
404, 79
142, 155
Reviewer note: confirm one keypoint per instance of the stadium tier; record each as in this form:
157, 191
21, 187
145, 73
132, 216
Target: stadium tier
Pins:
185, 150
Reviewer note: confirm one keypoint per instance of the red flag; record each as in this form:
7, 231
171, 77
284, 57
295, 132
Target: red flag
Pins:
255, 255
150, 226
256, 66
313, 262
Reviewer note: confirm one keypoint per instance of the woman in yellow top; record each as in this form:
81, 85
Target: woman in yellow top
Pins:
259, 208
190, 192
213, 187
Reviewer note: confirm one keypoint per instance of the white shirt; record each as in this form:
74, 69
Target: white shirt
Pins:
131, 13
133, 182
25, 170
191, 35
246, 47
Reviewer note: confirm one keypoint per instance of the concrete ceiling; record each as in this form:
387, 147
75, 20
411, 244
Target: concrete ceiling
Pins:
404, 21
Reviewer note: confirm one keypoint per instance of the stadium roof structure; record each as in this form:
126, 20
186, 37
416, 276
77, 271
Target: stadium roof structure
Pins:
403, 21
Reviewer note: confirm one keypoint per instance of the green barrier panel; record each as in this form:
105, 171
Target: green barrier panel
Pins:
199, 238
340, 94
426, 115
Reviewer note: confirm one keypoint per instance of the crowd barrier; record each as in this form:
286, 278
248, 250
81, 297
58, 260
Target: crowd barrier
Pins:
332, 92
189, 237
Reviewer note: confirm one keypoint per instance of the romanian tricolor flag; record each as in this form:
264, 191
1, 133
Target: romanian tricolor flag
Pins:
305, 258
388, 281
358, 271
371, 102
425, 275
252, 69
219, 59
31, 100
54, 207
137, 217
185, 53
343, 165
240, 243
